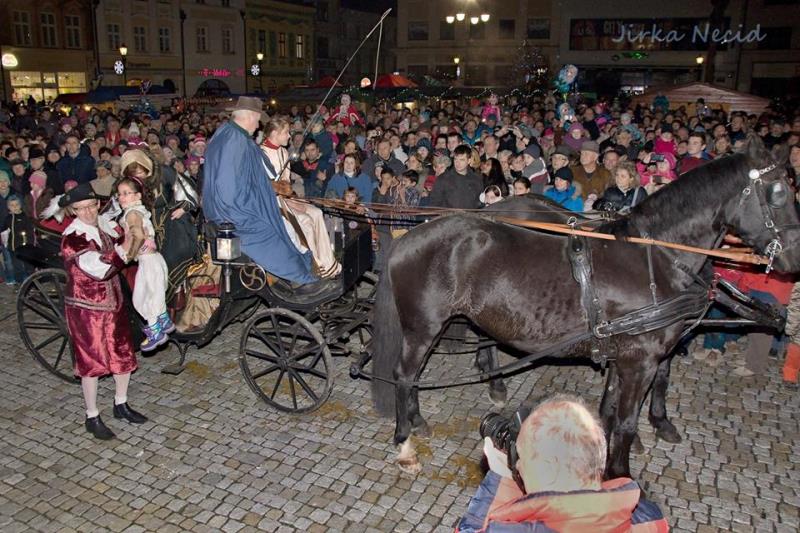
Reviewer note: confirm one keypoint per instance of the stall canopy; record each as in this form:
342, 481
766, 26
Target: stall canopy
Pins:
327, 82
714, 97
388, 81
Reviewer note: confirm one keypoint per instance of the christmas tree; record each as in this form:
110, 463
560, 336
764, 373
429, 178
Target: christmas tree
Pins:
530, 69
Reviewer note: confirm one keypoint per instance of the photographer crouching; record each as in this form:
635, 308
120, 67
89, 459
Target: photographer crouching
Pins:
560, 451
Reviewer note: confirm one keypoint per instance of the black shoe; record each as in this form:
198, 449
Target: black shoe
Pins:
308, 293
124, 411
96, 427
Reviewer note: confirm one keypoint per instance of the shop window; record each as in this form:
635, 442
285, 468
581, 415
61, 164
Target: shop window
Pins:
72, 31
48, 27
22, 28
322, 47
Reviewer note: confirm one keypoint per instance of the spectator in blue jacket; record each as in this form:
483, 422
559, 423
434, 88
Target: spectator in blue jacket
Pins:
563, 191
351, 176
76, 165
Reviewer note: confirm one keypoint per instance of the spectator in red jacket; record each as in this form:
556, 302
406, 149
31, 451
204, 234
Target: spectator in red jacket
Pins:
696, 153
562, 454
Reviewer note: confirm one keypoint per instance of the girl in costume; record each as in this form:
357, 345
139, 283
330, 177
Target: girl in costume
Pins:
149, 292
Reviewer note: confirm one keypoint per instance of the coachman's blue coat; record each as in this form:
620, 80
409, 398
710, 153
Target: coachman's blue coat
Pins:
237, 190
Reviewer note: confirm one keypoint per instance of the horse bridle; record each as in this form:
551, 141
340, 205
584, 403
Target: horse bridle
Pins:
771, 196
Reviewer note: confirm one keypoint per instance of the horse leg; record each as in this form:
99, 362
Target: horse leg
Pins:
486, 360
418, 424
407, 404
608, 405
634, 380
665, 430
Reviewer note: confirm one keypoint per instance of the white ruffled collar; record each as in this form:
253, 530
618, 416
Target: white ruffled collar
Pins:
92, 233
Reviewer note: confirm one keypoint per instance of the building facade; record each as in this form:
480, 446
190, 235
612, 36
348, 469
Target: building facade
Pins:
475, 50
214, 44
282, 32
46, 48
150, 30
623, 44
339, 29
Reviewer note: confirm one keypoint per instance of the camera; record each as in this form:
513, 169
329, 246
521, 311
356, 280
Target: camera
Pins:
504, 431
656, 158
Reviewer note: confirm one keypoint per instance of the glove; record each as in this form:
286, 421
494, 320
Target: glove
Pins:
498, 461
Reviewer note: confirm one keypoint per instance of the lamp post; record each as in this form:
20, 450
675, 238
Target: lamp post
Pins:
123, 51
457, 61
700, 60
260, 58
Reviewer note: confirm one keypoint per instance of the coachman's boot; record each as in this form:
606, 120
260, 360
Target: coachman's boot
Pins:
791, 366
124, 410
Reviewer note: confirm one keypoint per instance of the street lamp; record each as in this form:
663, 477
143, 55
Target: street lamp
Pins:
457, 61
474, 20
260, 58
485, 17
700, 60
123, 51
460, 16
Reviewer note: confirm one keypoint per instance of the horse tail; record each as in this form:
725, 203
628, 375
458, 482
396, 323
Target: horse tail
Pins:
386, 345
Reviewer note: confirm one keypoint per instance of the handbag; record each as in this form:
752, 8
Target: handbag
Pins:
201, 292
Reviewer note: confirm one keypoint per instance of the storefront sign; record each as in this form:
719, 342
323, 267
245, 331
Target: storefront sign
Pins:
220, 73
10, 61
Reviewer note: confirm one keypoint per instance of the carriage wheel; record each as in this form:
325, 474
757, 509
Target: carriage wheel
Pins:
42, 326
285, 361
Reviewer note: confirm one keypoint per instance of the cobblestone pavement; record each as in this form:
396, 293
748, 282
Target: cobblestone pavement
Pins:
215, 458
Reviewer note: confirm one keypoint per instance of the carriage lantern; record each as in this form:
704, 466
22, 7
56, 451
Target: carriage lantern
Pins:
229, 248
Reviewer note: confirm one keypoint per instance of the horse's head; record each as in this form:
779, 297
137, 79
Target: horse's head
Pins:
764, 214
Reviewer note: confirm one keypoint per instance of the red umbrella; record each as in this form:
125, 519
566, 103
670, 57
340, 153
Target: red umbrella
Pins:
393, 80
326, 82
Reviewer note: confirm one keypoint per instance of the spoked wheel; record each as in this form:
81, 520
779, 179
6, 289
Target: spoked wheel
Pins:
42, 326
285, 361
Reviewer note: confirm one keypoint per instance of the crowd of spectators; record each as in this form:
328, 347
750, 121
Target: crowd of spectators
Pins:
463, 154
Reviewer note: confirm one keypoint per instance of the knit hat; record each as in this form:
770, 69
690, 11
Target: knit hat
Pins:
426, 143
4, 176
563, 149
577, 126
17, 161
133, 130
564, 173
533, 150
35, 153
38, 177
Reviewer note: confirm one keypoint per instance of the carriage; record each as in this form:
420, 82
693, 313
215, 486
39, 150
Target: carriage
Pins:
286, 345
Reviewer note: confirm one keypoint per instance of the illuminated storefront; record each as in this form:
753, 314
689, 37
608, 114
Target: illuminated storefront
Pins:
45, 85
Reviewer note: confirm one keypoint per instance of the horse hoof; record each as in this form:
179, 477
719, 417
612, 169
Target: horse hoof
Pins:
407, 459
637, 448
668, 433
421, 430
498, 397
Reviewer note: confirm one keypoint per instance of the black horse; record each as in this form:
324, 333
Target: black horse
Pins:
516, 285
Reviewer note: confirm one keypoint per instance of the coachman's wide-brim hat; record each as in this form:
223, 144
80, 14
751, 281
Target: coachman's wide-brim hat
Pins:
249, 103
82, 192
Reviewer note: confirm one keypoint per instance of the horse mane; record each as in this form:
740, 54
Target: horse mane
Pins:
696, 191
